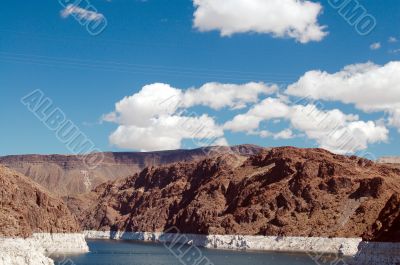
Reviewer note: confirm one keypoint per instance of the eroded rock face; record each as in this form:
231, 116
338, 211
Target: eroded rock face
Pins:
27, 208
70, 175
283, 191
387, 226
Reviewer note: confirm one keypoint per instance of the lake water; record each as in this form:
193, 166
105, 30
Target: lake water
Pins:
108, 252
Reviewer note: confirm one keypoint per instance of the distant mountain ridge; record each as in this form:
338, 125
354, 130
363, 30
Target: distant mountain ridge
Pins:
389, 160
392, 161
68, 175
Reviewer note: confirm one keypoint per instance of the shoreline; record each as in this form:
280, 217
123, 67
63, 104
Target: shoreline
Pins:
352, 251
342, 246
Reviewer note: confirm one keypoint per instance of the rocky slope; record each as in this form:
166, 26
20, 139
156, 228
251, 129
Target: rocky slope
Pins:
284, 191
70, 175
27, 208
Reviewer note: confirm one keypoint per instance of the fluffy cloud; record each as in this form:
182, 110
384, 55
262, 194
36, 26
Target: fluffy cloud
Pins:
331, 129
217, 95
150, 102
167, 133
284, 134
269, 108
394, 119
157, 117
296, 19
81, 13
370, 87
336, 131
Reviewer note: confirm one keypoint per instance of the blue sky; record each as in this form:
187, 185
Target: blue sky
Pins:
155, 41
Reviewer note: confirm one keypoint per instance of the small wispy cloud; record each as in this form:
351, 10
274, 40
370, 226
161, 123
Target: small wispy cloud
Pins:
395, 51
81, 13
375, 46
392, 39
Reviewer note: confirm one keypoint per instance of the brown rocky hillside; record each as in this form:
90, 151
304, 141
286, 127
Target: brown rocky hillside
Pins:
282, 191
69, 175
25, 208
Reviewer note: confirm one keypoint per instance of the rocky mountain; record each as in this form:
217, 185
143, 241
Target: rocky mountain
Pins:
70, 175
282, 191
27, 208
393, 161
389, 160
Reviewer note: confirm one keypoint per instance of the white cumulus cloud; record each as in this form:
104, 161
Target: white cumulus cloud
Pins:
296, 19
269, 108
336, 131
284, 134
161, 117
370, 87
167, 133
331, 129
217, 95
157, 117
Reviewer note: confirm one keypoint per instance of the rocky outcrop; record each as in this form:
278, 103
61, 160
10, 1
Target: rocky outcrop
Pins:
36, 249
60, 243
34, 223
27, 208
72, 174
387, 225
279, 192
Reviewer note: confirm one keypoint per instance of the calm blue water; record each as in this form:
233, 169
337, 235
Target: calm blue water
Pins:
108, 252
